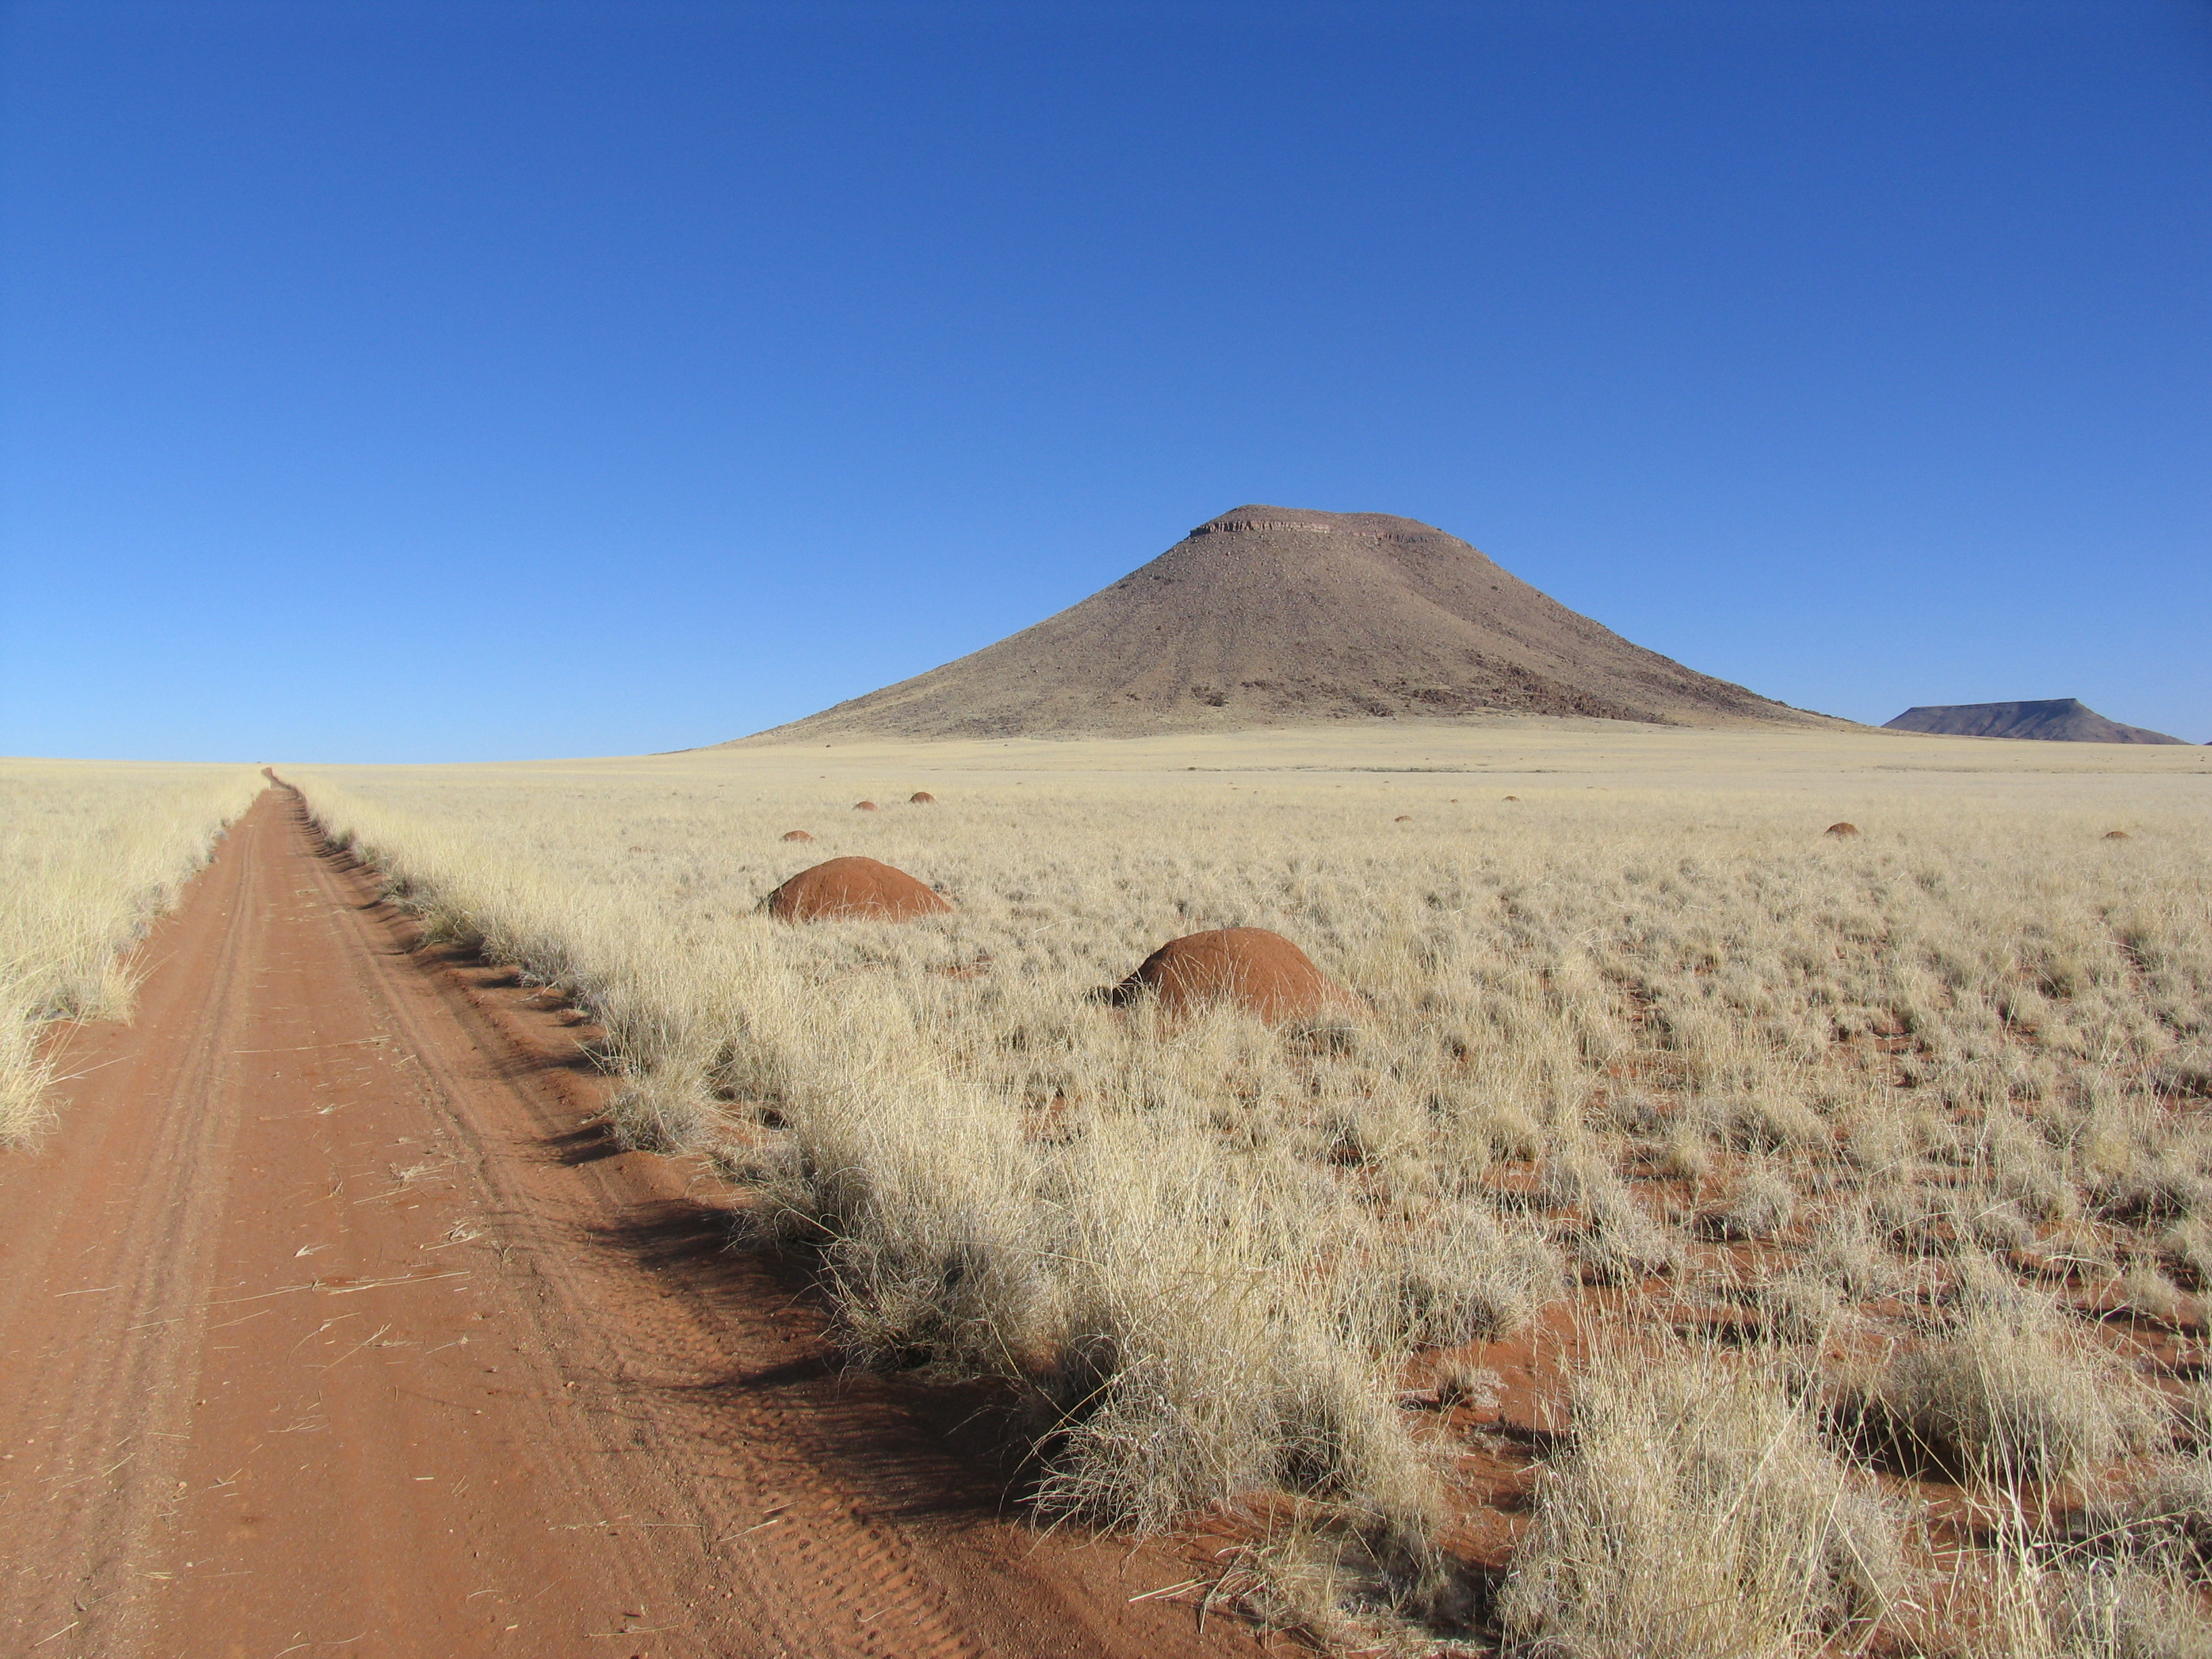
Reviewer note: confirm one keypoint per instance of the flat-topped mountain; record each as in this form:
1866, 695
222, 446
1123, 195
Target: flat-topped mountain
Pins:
1272, 615
2059, 720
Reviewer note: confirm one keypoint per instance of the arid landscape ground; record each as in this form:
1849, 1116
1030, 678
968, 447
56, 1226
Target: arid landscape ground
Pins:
1752, 1197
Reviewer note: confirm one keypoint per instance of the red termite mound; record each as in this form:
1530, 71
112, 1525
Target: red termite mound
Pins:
922, 798
2116, 835
797, 835
853, 889
864, 806
1841, 829
1260, 971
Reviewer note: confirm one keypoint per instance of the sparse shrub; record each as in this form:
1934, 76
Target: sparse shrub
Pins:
1915, 1215
1688, 1156
1845, 1250
1475, 1387
2150, 1190
2008, 1393
2188, 1249
1469, 1275
1694, 1510
2164, 1521
1798, 1308
2123, 1613
2186, 1071
1761, 1206
1773, 1122
2151, 1293
1622, 1244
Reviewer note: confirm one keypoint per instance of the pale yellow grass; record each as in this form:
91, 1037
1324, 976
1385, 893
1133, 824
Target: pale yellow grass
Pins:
1203, 1255
90, 852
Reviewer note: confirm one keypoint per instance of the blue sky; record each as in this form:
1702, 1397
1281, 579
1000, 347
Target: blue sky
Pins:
382, 381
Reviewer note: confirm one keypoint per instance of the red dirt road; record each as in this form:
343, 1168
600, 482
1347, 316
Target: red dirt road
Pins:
329, 1326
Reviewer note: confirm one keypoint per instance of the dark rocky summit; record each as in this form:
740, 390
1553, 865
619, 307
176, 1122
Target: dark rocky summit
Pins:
2056, 720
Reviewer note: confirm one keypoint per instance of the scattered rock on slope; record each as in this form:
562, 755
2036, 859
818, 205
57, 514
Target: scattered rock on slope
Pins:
1273, 615
853, 889
1261, 971
2055, 720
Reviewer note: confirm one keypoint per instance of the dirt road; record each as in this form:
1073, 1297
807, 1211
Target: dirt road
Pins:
330, 1326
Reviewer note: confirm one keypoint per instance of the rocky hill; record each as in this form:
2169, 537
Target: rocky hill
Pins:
1272, 615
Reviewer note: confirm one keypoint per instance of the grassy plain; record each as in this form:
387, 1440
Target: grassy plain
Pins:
90, 852
1845, 1203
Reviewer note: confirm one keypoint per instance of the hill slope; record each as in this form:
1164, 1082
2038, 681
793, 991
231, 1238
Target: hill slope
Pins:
1270, 615
2060, 720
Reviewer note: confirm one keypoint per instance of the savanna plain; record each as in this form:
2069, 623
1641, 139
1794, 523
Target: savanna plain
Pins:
1694, 1233
1699, 1233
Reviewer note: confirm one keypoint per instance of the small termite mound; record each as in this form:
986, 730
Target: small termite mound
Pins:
1513, 797
797, 835
2118, 835
1403, 818
921, 798
1844, 830
1261, 972
853, 889
866, 807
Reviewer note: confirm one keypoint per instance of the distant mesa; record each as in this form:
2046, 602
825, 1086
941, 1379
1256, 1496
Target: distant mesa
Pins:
853, 889
1257, 970
2055, 720
1274, 616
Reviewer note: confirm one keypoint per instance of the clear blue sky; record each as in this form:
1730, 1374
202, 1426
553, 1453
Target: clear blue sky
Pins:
387, 381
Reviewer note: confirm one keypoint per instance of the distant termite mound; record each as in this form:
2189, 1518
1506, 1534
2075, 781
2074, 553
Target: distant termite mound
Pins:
865, 806
921, 798
797, 835
1261, 972
1403, 818
853, 889
1843, 831
2118, 835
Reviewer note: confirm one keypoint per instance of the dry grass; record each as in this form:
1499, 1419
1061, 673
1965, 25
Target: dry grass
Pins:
1930, 1092
1697, 1511
90, 852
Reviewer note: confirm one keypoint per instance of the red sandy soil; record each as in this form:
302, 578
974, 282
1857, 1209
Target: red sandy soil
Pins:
334, 1325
